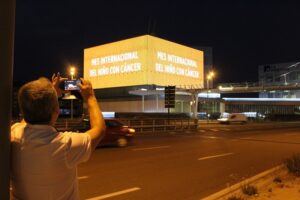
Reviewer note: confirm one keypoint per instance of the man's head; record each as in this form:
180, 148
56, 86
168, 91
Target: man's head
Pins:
38, 102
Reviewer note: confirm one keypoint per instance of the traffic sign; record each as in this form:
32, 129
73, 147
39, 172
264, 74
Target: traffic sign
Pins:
170, 96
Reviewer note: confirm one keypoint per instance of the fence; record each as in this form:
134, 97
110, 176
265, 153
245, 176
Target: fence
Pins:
140, 125
160, 125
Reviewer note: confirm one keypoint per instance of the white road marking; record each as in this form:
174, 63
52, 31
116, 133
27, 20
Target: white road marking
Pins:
149, 148
202, 131
82, 177
214, 130
210, 137
292, 134
115, 194
215, 156
226, 129
246, 138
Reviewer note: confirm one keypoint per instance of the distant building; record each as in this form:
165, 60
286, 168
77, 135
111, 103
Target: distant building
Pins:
279, 74
277, 102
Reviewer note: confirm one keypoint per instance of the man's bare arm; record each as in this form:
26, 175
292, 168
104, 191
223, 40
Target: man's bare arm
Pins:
96, 119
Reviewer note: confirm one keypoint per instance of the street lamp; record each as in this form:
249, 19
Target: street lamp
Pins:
72, 72
72, 97
209, 77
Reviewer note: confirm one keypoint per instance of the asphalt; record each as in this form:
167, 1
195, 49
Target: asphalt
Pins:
185, 166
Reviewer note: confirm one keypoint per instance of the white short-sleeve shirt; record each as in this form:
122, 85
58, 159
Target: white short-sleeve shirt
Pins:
44, 162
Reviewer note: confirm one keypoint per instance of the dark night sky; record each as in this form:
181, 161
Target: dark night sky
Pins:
51, 34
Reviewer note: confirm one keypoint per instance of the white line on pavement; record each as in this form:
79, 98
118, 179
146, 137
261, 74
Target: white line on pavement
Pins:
226, 129
292, 134
215, 156
214, 130
149, 148
246, 138
202, 131
82, 177
210, 137
115, 194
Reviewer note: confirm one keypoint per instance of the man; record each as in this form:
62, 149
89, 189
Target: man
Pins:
44, 161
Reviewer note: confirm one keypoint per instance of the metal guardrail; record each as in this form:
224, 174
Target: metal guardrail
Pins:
140, 125
253, 87
160, 125
68, 124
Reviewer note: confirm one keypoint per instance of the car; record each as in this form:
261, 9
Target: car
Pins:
227, 118
117, 133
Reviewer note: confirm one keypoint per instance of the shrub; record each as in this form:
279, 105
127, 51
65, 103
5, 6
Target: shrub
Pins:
249, 190
293, 164
277, 179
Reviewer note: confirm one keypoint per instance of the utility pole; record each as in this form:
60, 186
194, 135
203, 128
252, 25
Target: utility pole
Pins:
7, 30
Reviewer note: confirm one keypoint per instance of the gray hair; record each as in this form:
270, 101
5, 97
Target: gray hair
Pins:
37, 101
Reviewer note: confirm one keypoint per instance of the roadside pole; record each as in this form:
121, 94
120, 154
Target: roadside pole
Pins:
7, 29
195, 110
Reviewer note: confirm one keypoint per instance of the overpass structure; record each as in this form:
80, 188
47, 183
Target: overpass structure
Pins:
253, 87
247, 87
269, 105
196, 93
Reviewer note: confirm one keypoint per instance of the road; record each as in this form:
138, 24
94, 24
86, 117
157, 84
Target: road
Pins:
187, 166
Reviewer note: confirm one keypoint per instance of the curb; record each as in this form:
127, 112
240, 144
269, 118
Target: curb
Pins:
234, 188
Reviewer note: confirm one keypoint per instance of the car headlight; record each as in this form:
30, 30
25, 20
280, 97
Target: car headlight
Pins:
131, 130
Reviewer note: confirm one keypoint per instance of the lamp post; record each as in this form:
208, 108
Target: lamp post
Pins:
212, 75
72, 73
70, 97
209, 77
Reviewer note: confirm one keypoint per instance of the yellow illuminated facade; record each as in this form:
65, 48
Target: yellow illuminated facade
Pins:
144, 60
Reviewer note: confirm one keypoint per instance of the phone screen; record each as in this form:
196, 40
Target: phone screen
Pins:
72, 85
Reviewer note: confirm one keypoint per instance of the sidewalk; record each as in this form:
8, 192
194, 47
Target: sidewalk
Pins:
287, 187
213, 124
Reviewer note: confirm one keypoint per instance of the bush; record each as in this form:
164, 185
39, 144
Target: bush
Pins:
277, 179
249, 190
293, 164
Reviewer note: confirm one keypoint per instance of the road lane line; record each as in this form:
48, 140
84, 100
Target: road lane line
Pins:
247, 138
82, 177
215, 156
149, 148
115, 194
214, 130
210, 137
202, 131
292, 134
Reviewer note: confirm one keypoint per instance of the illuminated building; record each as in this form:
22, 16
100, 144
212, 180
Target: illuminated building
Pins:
129, 75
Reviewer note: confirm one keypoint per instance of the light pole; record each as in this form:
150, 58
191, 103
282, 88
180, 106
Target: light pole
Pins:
72, 73
209, 77
212, 75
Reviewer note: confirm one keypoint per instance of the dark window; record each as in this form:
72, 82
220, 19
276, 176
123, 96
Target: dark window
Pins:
293, 76
269, 78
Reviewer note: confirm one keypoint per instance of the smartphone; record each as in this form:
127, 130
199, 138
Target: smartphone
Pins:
71, 84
